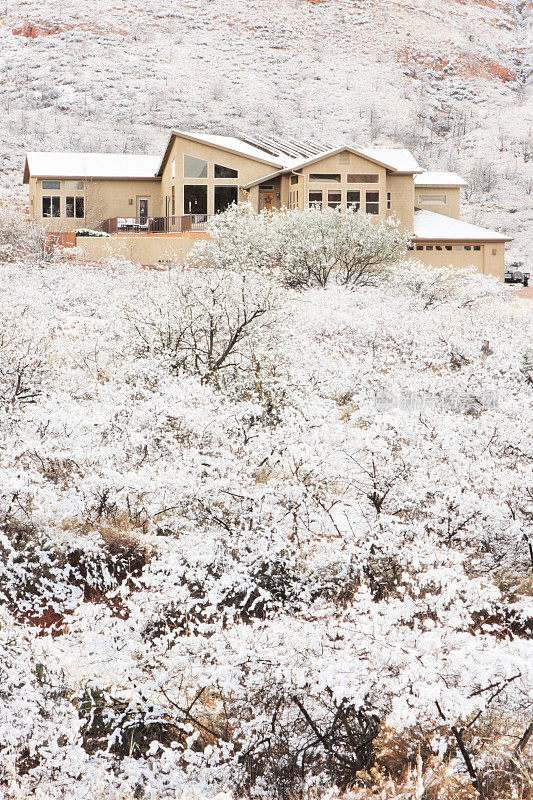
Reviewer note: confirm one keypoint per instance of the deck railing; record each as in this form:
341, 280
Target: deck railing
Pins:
147, 225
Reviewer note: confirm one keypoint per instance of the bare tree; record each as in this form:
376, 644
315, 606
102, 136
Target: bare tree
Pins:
202, 326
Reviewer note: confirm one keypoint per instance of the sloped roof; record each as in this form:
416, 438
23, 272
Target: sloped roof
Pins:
287, 145
90, 165
397, 160
232, 144
440, 228
440, 179
236, 145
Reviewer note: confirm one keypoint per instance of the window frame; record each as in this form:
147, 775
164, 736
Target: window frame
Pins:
217, 188
336, 203
195, 186
362, 177
372, 206
432, 199
50, 185
195, 177
216, 166
315, 203
55, 206
353, 204
325, 177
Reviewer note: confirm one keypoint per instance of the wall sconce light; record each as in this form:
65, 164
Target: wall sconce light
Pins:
130, 201
278, 195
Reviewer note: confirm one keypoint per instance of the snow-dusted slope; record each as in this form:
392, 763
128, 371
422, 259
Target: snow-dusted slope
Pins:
447, 78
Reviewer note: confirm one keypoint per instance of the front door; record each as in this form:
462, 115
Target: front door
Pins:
143, 209
266, 200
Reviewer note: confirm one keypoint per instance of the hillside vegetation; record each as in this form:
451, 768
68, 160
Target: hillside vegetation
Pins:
260, 540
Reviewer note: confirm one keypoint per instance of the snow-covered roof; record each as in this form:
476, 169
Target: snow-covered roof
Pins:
397, 158
90, 165
239, 146
438, 227
439, 179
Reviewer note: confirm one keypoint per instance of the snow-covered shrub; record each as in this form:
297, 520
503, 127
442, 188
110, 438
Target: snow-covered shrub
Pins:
353, 248
22, 361
239, 239
205, 322
442, 284
42, 579
21, 237
308, 247
90, 232
364, 557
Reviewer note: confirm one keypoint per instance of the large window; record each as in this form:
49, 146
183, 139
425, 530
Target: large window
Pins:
195, 199
51, 184
334, 199
225, 172
315, 198
372, 202
224, 197
325, 177
194, 167
353, 200
75, 207
51, 207
363, 178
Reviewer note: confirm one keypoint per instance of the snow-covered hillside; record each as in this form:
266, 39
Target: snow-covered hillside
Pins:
448, 78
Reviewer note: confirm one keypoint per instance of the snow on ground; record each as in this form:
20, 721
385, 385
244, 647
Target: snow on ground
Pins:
339, 518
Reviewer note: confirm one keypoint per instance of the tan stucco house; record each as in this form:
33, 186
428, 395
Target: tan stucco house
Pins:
154, 207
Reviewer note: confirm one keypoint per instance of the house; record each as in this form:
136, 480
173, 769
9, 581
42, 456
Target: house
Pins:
154, 207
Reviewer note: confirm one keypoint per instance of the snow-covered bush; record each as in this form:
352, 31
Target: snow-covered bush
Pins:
353, 248
308, 247
204, 321
443, 284
90, 232
239, 239
22, 361
22, 238
197, 600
